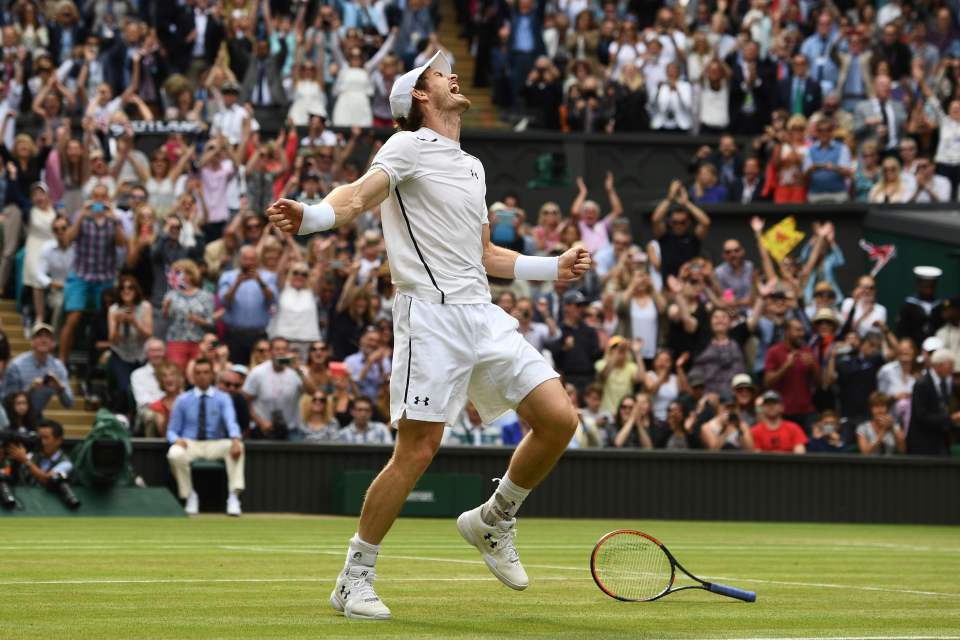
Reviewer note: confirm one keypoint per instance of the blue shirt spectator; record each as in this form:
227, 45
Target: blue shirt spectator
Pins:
38, 372
827, 165
247, 293
218, 415
369, 367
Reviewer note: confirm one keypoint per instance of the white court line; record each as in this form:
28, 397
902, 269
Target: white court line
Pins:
845, 638
95, 581
757, 548
785, 583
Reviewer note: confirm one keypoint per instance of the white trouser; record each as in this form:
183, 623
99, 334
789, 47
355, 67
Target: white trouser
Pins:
180, 459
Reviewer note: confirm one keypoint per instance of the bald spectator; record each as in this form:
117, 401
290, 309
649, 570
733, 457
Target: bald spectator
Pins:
880, 116
144, 383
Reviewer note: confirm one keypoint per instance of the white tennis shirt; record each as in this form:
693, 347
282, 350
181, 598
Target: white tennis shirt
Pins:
433, 219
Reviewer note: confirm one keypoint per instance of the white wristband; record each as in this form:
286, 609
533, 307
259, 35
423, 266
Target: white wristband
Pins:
317, 217
534, 268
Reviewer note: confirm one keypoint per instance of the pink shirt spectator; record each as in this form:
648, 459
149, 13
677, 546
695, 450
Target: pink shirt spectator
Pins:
596, 237
215, 182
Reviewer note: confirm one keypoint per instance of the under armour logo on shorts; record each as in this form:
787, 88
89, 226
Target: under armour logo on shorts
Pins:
426, 400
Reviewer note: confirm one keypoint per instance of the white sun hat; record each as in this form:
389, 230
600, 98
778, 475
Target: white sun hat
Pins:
400, 98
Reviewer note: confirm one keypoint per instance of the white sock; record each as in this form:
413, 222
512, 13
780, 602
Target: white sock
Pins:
504, 503
360, 552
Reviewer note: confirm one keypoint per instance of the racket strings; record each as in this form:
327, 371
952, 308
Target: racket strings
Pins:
632, 567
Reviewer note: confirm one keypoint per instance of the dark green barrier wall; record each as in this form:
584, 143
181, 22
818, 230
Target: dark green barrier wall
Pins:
628, 484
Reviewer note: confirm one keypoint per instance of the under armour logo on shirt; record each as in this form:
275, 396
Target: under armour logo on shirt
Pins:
426, 400
475, 175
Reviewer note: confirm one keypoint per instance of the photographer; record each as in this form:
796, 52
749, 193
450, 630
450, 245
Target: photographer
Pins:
727, 430
49, 467
38, 373
273, 391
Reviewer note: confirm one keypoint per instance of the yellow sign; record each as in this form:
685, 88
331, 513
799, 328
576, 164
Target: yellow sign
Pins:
780, 239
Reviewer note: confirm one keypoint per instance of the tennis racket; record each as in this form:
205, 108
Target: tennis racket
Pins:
634, 567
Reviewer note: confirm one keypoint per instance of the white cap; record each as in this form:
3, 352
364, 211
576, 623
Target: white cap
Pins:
927, 273
933, 343
400, 98
941, 356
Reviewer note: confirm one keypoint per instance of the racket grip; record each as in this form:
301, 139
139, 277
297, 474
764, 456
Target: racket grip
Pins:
733, 592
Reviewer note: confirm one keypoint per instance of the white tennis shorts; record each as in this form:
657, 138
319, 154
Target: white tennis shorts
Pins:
445, 354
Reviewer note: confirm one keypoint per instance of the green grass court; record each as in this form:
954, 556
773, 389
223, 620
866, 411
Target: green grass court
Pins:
270, 577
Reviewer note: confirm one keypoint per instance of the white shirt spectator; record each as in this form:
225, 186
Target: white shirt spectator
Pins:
715, 105
624, 54
55, 263
892, 382
273, 390
229, 121
671, 42
939, 185
9, 108
145, 386
948, 146
950, 335
864, 326
672, 108
102, 113
326, 138
296, 317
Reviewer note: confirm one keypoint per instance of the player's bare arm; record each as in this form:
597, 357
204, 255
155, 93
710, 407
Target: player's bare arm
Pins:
347, 202
502, 263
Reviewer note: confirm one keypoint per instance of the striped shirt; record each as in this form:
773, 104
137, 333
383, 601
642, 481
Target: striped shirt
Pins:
375, 433
96, 256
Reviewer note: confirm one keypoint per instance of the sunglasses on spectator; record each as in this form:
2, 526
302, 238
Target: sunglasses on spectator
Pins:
824, 294
319, 399
301, 273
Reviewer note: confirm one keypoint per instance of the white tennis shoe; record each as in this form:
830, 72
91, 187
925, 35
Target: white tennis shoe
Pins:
354, 596
495, 544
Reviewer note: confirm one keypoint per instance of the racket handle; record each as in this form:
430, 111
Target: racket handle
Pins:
733, 592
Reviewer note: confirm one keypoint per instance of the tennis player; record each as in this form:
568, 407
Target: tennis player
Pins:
451, 342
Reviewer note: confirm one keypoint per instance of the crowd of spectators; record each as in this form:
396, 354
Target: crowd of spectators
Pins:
661, 347
840, 100
144, 275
